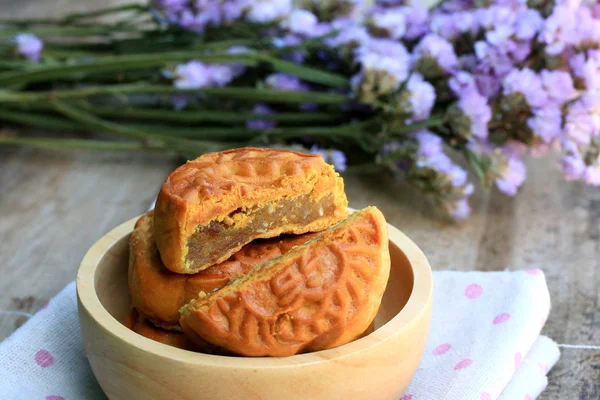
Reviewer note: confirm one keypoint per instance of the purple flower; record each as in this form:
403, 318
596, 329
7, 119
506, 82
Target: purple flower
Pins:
572, 163
439, 162
285, 82
559, 28
438, 48
422, 97
546, 122
512, 177
591, 176
349, 34
476, 108
263, 11
30, 46
587, 27
528, 83
384, 55
302, 22
417, 19
461, 82
392, 21
196, 75
430, 144
172, 7
488, 84
192, 75
465, 22
336, 158
528, 23
500, 35
231, 10
494, 58
458, 176
206, 12
558, 85
590, 71
261, 109
180, 101
443, 25
459, 209
580, 124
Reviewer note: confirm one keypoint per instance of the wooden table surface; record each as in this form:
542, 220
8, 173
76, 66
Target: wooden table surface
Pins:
55, 205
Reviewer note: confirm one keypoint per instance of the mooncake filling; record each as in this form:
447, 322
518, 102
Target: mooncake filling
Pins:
211, 241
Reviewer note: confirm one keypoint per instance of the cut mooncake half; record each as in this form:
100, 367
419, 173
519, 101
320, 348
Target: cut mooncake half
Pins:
319, 295
159, 293
210, 207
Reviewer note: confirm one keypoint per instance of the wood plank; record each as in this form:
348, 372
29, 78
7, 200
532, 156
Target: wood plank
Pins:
53, 206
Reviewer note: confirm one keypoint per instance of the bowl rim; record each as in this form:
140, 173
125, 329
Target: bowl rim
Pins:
418, 303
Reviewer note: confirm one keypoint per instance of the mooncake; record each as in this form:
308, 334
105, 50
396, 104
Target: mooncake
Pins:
140, 325
210, 207
159, 293
319, 295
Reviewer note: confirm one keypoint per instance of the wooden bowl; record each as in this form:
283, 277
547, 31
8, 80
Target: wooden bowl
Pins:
128, 366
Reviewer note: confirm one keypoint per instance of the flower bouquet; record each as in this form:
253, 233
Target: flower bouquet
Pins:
426, 94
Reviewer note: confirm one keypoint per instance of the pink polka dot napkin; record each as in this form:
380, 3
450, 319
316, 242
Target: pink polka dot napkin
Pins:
484, 344
481, 342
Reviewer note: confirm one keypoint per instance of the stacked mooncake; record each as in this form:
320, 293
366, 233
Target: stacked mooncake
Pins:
251, 252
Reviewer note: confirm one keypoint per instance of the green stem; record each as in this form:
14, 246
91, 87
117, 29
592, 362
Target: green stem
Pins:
40, 121
114, 63
136, 61
431, 122
306, 73
71, 18
151, 139
239, 93
198, 116
79, 144
97, 30
142, 131
104, 11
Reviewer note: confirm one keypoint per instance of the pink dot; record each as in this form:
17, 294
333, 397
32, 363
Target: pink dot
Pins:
473, 291
463, 364
54, 398
44, 306
485, 396
536, 271
441, 349
44, 359
543, 367
518, 357
406, 397
500, 318
527, 397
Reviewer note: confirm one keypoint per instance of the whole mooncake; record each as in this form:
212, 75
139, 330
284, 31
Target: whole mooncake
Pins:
210, 207
319, 295
159, 293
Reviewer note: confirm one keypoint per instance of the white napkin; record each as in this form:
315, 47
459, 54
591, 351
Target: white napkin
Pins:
481, 344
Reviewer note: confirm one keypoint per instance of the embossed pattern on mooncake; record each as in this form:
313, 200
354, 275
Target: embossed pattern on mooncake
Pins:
160, 293
320, 295
210, 207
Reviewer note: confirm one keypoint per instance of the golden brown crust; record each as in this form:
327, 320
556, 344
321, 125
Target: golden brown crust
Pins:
221, 187
140, 325
320, 295
160, 293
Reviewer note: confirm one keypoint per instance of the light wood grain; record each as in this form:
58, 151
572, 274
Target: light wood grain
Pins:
376, 367
53, 206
